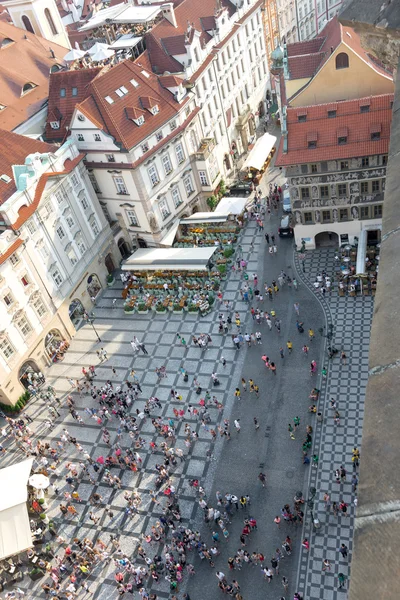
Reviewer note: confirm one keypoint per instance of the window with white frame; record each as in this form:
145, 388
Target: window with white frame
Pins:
59, 196
44, 253
120, 185
60, 232
84, 202
72, 257
75, 180
180, 155
97, 137
145, 147
57, 277
173, 125
187, 182
24, 326
164, 208
8, 299
70, 221
132, 218
39, 307
95, 227
203, 177
80, 137
14, 259
153, 175
48, 208
94, 183
166, 161
6, 348
110, 157
176, 197
25, 280
81, 245
159, 136
31, 227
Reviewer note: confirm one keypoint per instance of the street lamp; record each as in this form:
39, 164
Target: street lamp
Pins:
310, 504
90, 319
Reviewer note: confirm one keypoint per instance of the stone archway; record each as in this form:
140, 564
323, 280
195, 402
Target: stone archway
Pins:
123, 248
93, 286
55, 345
30, 375
326, 239
142, 243
195, 209
76, 311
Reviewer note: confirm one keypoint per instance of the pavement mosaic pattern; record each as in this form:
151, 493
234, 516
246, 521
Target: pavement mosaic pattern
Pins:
158, 333
351, 318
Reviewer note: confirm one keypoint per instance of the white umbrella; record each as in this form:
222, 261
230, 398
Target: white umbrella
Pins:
74, 54
102, 54
96, 47
39, 481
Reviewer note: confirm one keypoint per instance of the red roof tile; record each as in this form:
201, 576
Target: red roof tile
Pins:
10, 250
27, 211
65, 106
349, 117
169, 81
112, 118
14, 149
307, 47
26, 60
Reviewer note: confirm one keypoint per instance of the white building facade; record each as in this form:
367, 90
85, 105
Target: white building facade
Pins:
54, 249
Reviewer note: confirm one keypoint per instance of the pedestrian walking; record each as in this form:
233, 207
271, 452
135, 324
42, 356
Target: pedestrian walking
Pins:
289, 346
237, 425
341, 580
296, 306
285, 583
326, 565
343, 550
223, 361
256, 424
354, 482
262, 478
281, 352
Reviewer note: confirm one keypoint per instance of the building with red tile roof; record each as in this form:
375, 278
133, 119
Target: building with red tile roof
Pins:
333, 66
26, 62
55, 244
67, 88
335, 158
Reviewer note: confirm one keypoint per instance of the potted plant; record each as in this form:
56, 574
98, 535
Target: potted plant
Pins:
43, 517
222, 270
228, 252
176, 308
110, 280
193, 308
216, 286
128, 309
36, 573
142, 309
160, 308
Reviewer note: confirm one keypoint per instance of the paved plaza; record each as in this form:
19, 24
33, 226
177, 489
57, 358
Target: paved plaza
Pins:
225, 466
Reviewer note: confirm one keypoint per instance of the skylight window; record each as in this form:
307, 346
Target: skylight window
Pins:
121, 91
145, 73
109, 100
134, 83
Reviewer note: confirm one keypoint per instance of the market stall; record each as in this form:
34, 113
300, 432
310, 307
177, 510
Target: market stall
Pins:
172, 259
259, 158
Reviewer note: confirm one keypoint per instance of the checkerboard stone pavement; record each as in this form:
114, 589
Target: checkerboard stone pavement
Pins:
158, 333
351, 318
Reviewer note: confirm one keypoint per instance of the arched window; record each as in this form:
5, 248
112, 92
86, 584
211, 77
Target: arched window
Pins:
50, 21
342, 61
27, 24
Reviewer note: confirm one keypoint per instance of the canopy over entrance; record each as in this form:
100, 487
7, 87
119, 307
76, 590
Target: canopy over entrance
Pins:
169, 259
232, 206
15, 531
205, 217
259, 153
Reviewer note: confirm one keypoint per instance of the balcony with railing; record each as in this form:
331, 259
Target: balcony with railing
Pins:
207, 146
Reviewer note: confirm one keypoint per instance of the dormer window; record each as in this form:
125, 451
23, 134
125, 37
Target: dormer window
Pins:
342, 140
376, 136
55, 124
155, 109
28, 87
63, 92
302, 118
312, 145
375, 131
140, 120
331, 114
6, 42
364, 108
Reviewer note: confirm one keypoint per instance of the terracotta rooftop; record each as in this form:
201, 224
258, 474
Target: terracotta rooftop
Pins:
143, 89
27, 211
165, 39
26, 59
10, 250
14, 149
325, 131
64, 82
306, 58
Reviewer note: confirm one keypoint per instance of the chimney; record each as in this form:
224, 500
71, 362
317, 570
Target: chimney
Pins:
331, 49
169, 13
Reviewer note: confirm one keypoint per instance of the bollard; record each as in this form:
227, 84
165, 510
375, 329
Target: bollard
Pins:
319, 417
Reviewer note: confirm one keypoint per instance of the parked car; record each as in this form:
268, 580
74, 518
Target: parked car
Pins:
240, 189
285, 229
287, 208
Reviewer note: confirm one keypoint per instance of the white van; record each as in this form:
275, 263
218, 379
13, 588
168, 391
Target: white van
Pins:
286, 202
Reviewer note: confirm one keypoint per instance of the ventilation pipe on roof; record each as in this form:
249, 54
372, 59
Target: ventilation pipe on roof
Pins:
169, 13
331, 49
